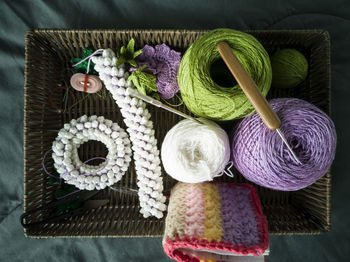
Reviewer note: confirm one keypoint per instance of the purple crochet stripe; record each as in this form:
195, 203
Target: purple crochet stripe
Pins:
238, 217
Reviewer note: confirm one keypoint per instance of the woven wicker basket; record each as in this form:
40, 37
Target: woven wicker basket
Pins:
47, 65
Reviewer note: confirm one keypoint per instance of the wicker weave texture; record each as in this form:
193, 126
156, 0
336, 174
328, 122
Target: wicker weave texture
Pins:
48, 53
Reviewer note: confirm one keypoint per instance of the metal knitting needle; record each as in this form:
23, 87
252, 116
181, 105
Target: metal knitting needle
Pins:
262, 107
150, 100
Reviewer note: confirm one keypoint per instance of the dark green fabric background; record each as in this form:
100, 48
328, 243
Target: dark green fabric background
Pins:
16, 17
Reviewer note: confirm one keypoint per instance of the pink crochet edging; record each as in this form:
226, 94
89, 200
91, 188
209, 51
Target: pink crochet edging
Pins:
171, 246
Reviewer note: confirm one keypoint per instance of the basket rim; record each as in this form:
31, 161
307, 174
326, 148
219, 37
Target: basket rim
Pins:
321, 32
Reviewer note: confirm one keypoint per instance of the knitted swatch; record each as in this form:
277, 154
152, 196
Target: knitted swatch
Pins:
216, 217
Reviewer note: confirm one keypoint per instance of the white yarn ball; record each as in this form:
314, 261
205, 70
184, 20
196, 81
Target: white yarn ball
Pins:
193, 152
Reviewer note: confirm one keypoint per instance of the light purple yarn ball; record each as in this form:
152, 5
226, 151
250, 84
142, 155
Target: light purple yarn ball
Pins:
261, 157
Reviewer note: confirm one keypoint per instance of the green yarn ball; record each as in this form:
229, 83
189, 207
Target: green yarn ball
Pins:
289, 68
202, 95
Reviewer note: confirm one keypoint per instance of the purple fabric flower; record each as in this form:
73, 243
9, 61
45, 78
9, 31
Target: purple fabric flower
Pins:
163, 62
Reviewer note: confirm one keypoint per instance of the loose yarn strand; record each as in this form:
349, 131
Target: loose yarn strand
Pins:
98, 51
60, 179
126, 190
174, 105
227, 171
84, 163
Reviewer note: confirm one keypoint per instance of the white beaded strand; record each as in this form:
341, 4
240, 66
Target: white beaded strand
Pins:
84, 176
140, 129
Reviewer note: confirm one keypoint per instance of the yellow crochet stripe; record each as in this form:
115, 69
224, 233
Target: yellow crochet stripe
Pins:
212, 209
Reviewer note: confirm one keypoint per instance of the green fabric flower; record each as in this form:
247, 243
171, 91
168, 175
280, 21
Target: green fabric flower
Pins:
144, 82
82, 67
128, 54
63, 190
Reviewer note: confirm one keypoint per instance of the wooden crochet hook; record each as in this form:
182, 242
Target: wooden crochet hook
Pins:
259, 102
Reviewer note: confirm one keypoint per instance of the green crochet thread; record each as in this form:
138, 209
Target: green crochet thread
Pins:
289, 68
202, 95
128, 54
82, 67
144, 82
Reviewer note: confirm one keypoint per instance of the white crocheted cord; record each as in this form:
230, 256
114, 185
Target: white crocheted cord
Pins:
81, 130
140, 129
